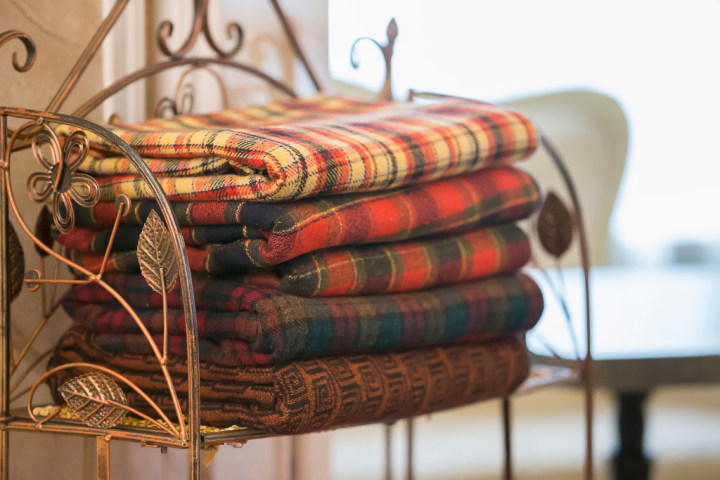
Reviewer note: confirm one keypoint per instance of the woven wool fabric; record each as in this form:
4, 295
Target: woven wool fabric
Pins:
283, 231
319, 394
380, 150
243, 325
274, 113
374, 268
292, 111
88, 240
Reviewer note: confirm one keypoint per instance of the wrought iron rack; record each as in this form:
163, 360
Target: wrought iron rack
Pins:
51, 187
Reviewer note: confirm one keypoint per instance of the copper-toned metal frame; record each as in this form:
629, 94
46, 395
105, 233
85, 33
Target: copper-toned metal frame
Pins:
564, 371
35, 130
38, 129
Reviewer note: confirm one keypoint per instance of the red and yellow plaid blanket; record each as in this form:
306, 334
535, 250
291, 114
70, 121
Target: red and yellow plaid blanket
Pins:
317, 394
368, 147
102, 163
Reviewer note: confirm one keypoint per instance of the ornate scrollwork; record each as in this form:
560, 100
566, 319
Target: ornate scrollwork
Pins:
387, 50
184, 99
181, 104
30, 49
60, 180
200, 24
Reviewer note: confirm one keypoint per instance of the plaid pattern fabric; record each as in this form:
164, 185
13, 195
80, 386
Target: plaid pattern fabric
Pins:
318, 394
296, 110
406, 266
283, 231
88, 240
98, 163
375, 268
111, 166
242, 325
383, 149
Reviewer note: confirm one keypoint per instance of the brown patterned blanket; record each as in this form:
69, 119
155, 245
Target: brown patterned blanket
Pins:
319, 394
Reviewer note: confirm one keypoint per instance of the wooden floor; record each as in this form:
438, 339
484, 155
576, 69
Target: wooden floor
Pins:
683, 437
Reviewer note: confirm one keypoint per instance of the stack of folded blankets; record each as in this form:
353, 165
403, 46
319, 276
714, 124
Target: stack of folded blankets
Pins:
352, 262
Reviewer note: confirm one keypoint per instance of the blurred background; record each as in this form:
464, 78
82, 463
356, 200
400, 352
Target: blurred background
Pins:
635, 76
656, 59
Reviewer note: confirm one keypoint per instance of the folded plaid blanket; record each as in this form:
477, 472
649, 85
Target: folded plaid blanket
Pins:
319, 394
364, 269
270, 234
243, 325
377, 149
274, 113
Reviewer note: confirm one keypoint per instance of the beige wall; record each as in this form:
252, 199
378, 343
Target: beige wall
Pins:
59, 43
60, 30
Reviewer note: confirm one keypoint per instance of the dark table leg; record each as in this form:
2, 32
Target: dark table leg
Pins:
630, 462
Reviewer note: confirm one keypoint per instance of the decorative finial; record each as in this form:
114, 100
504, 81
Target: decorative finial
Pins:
387, 51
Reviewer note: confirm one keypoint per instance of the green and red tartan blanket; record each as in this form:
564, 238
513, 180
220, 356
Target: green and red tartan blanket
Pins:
244, 325
269, 234
367, 147
317, 394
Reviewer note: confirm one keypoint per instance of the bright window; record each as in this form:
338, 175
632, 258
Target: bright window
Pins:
659, 59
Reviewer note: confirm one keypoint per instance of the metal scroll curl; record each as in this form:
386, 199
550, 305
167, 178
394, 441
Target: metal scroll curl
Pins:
200, 24
182, 105
198, 62
62, 185
30, 50
183, 101
387, 50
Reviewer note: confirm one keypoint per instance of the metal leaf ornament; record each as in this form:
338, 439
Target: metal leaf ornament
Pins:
43, 231
16, 259
156, 255
555, 226
96, 399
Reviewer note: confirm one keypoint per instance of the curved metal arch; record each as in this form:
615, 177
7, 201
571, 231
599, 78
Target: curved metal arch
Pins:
586, 362
295, 45
585, 257
33, 281
111, 373
193, 410
146, 72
